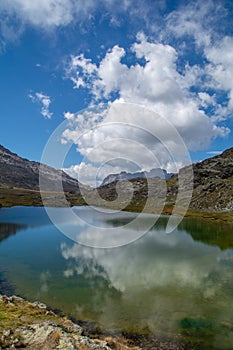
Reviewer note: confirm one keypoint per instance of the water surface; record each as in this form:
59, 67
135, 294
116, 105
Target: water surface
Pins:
169, 285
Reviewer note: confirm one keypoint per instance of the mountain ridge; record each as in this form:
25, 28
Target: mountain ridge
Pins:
19, 172
155, 172
212, 186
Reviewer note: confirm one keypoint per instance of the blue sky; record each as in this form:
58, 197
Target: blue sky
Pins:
173, 58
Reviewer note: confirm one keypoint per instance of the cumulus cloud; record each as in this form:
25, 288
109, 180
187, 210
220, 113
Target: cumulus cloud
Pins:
126, 137
92, 175
44, 101
85, 173
166, 96
156, 84
220, 68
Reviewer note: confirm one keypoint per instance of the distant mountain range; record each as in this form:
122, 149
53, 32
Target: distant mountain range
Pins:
157, 172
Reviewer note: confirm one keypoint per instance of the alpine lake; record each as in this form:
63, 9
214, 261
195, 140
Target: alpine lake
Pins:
177, 285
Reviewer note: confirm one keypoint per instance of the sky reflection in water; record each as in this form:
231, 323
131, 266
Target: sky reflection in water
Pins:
155, 283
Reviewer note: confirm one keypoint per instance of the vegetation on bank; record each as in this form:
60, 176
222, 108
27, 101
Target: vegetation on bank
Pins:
10, 197
26, 325
32, 326
212, 183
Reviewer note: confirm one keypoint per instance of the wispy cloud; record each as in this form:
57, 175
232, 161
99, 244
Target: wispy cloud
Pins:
49, 14
44, 101
214, 152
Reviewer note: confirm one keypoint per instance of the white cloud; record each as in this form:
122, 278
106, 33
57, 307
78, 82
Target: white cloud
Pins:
206, 99
91, 175
166, 94
69, 116
129, 137
197, 19
205, 22
79, 70
220, 68
157, 84
214, 153
44, 13
53, 13
45, 101
85, 173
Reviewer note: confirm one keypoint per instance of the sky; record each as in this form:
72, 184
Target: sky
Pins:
130, 85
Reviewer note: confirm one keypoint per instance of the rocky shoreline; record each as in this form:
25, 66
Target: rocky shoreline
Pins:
32, 326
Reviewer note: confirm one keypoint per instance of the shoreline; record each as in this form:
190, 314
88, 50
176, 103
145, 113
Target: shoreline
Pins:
24, 324
34, 325
225, 217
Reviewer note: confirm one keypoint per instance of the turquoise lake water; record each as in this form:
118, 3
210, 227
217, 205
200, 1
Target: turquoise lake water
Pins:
176, 285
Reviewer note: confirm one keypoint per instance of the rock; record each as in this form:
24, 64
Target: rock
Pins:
60, 334
157, 172
48, 336
39, 305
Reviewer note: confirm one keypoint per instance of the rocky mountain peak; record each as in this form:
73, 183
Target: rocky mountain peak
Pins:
156, 172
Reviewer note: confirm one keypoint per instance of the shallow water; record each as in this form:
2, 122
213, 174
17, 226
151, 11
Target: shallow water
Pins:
177, 284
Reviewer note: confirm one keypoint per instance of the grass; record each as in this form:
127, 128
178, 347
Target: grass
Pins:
22, 197
224, 216
21, 313
10, 197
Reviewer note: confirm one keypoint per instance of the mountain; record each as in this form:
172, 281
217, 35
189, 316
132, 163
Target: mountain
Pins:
157, 172
212, 187
22, 173
213, 183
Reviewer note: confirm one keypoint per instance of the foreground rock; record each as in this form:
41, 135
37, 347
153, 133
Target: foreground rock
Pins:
31, 326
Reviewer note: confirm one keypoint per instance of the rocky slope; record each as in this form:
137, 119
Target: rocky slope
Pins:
213, 183
22, 173
212, 187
